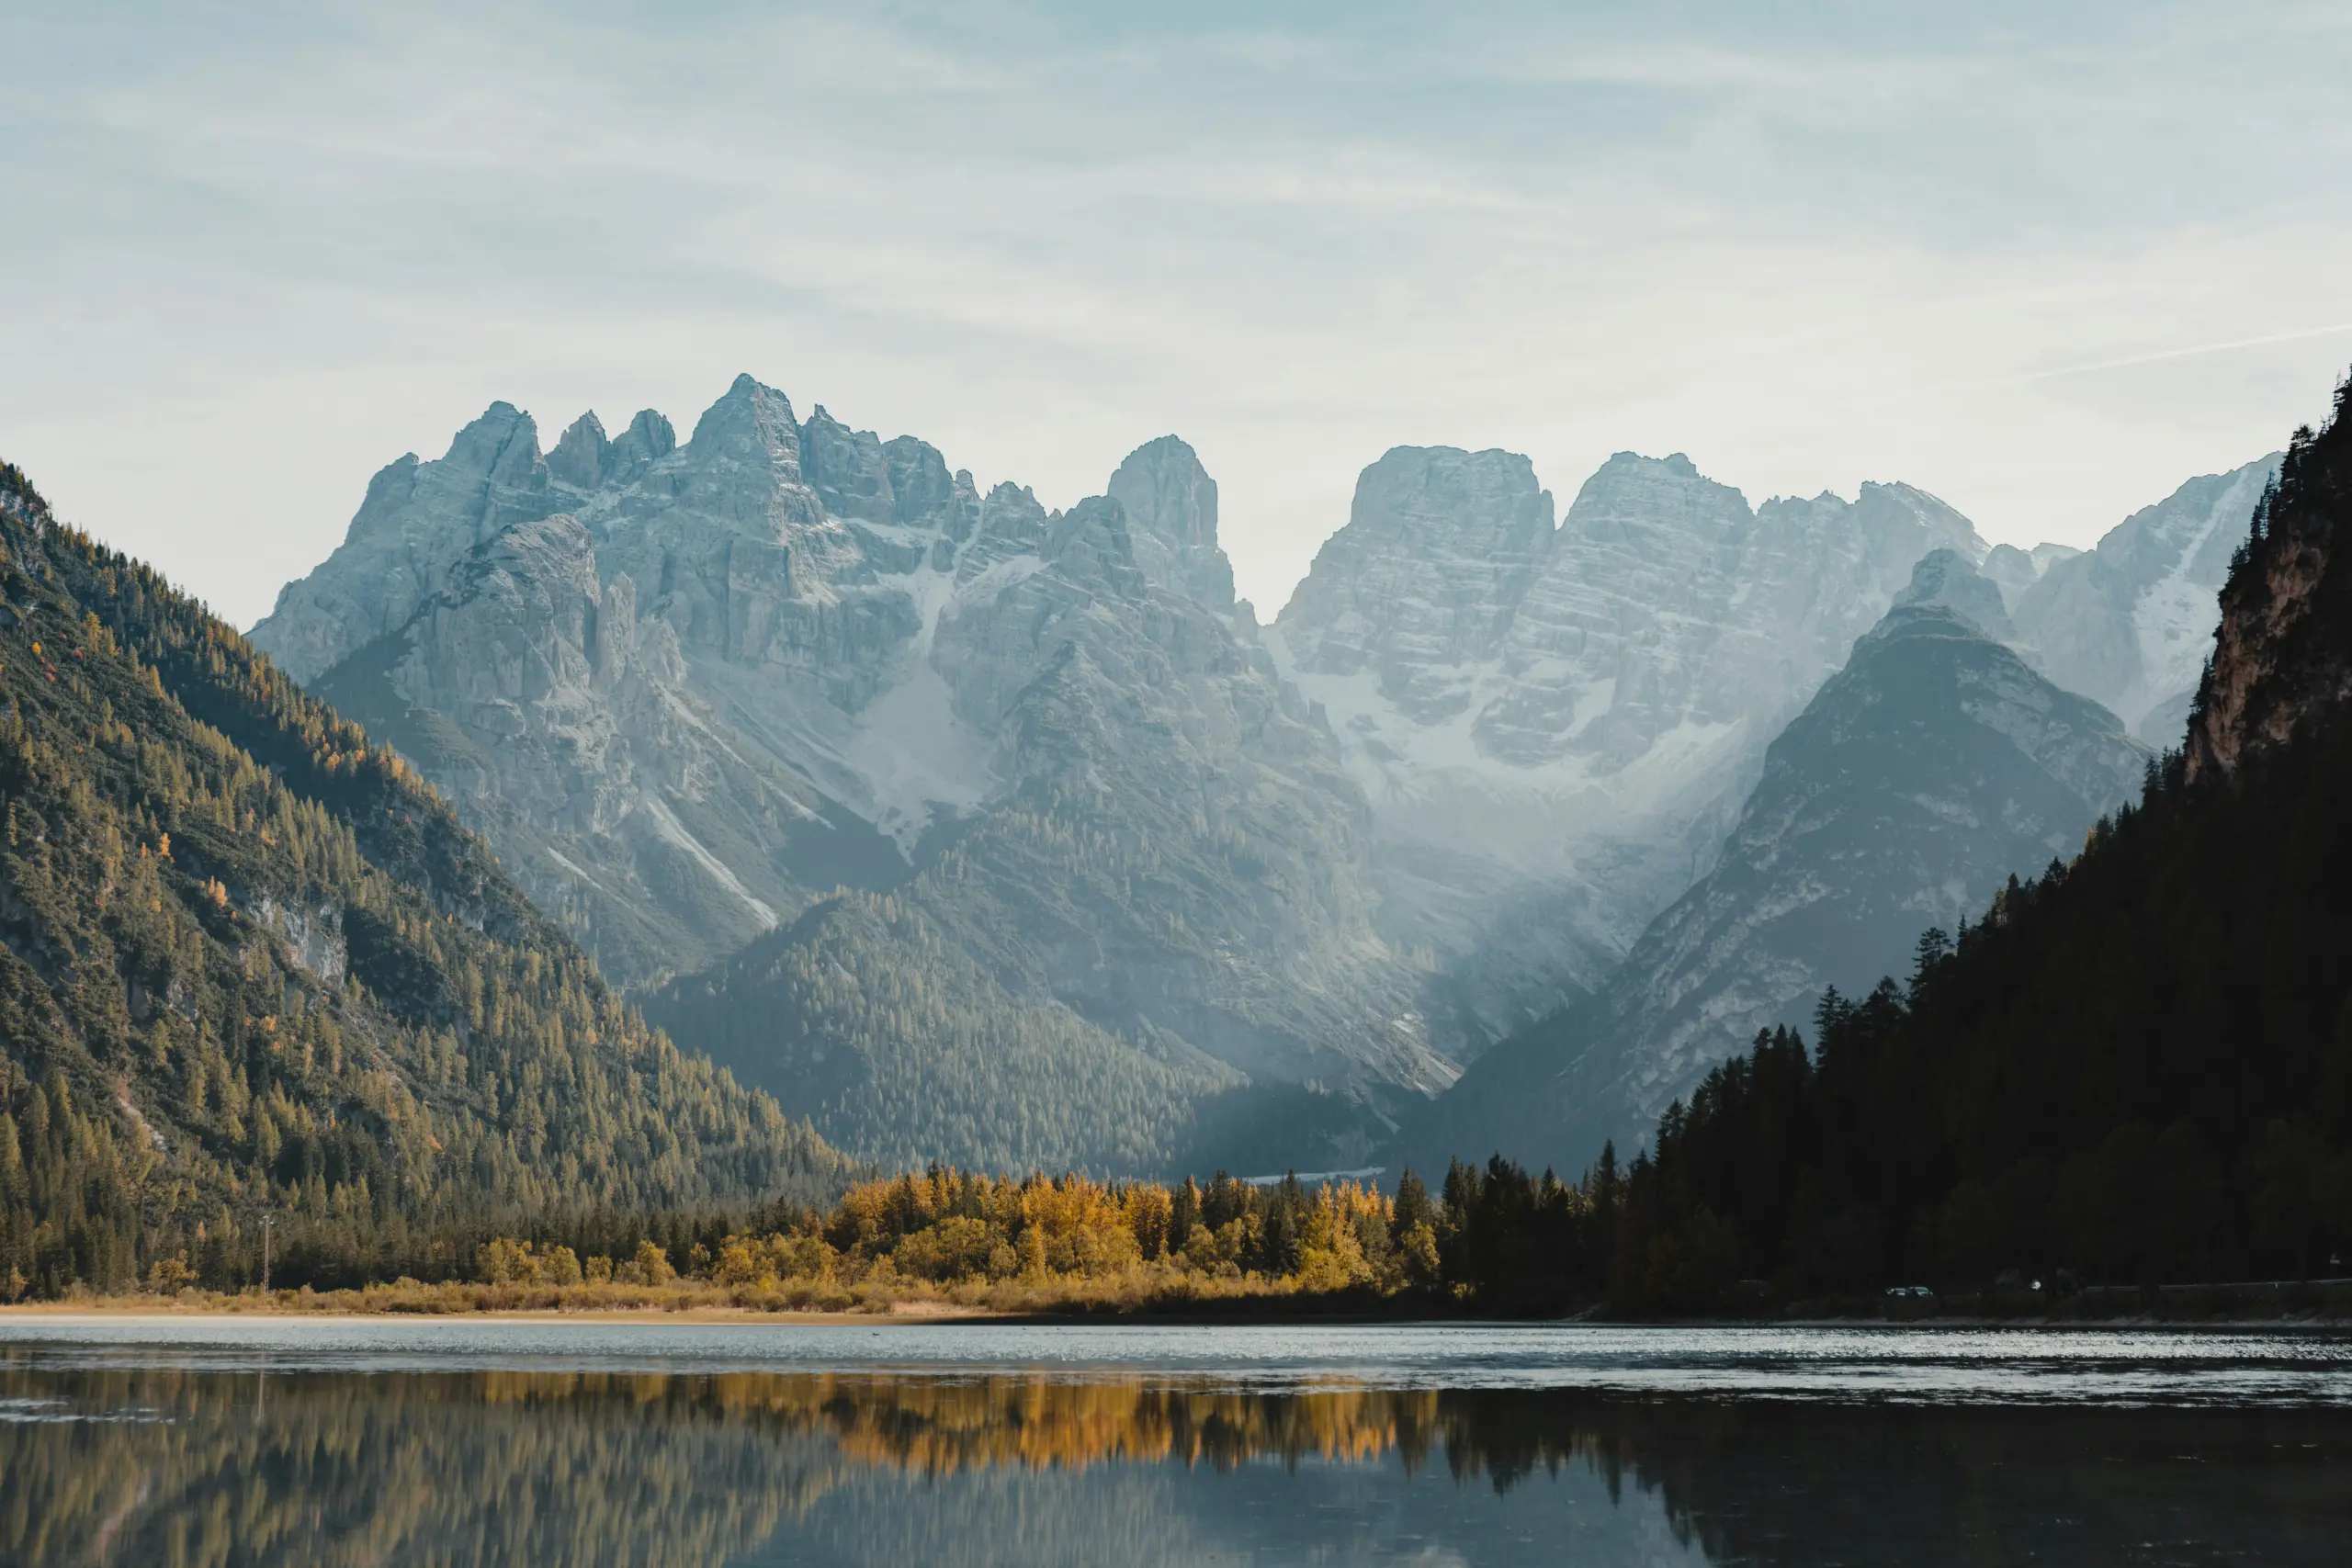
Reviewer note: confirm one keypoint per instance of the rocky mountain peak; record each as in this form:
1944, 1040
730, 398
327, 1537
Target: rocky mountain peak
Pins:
1439, 547
743, 468
1094, 544
923, 494
417, 521
750, 421
1631, 497
499, 453
581, 453
645, 442
846, 469
1171, 501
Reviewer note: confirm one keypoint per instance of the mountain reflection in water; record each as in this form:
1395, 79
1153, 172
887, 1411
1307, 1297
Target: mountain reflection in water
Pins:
141, 1464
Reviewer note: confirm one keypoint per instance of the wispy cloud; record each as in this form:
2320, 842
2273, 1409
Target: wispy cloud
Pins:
2196, 351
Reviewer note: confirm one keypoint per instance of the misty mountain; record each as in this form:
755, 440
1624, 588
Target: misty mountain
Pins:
1005, 835
1933, 767
1554, 724
2130, 623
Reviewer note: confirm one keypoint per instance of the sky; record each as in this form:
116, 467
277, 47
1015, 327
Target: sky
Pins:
2044, 261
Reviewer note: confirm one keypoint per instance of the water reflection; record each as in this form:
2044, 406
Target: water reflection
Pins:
131, 1462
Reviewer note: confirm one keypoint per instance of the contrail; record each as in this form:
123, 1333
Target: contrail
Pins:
2188, 353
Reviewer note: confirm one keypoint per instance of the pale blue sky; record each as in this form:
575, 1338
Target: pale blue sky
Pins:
2043, 260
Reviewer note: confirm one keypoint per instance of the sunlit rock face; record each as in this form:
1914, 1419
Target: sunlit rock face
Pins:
1554, 724
724, 692
1935, 766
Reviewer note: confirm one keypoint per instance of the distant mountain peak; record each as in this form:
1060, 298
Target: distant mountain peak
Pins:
1554, 723
1169, 496
1919, 776
1945, 577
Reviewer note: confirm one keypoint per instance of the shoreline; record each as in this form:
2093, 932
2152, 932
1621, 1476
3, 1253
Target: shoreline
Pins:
223, 1311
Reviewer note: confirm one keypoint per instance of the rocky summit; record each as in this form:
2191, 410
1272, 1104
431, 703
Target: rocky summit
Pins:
985, 832
1934, 767
1553, 725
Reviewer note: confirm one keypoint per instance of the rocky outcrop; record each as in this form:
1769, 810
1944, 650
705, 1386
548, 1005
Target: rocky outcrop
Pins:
2282, 662
1935, 766
2131, 622
1554, 724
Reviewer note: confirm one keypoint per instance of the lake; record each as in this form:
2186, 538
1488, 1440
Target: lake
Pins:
467, 1441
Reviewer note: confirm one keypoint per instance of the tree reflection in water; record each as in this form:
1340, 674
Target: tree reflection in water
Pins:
146, 1465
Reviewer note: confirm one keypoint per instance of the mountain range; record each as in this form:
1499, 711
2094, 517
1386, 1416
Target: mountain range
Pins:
986, 833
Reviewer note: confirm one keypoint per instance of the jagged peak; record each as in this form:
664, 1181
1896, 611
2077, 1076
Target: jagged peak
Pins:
1017, 497
1631, 488
1447, 490
1168, 495
1165, 490
647, 440
581, 453
652, 426
500, 434
749, 408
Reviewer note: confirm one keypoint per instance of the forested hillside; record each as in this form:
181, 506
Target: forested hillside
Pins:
2137, 1067
253, 966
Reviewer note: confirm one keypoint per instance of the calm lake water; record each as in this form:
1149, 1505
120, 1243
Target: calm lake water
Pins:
465, 1442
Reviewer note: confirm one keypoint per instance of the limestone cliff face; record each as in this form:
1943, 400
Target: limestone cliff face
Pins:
1554, 724
2283, 659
